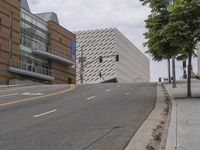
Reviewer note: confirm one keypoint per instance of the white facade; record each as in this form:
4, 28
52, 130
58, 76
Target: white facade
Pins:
133, 65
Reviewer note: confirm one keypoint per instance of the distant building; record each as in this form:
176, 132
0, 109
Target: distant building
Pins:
34, 46
133, 65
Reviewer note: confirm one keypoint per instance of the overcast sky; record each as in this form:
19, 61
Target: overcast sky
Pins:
127, 15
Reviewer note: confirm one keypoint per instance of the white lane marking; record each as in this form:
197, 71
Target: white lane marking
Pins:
8, 95
108, 90
39, 115
20, 88
127, 93
89, 98
55, 85
118, 85
32, 94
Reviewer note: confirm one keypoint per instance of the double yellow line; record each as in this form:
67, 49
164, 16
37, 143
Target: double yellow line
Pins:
72, 87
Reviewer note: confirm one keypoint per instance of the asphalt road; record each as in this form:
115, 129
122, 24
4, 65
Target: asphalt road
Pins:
89, 117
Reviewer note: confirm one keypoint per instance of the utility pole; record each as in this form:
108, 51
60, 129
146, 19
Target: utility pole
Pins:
169, 70
101, 76
82, 59
184, 69
81, 70
174, 71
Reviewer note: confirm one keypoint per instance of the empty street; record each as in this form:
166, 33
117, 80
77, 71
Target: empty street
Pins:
85, 117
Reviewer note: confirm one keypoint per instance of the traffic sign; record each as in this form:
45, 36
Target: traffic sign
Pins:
82, 59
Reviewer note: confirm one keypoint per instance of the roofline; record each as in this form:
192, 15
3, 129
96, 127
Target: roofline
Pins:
94, 30
132, 43
117, 32
46, 12
49, 13
62, 27
34, 15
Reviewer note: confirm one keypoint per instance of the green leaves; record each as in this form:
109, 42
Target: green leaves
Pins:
172, 30
156, 5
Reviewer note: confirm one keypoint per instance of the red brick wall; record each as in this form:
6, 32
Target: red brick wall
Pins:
60, 40
6, 8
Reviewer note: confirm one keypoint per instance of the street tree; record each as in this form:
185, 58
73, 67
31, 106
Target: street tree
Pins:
158, 47
178, 34
183, 30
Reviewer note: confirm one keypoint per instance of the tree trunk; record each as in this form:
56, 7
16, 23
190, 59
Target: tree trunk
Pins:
174, 71
169, 70
189, 92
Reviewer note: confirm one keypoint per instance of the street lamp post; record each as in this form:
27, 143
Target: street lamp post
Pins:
82, 64
169, 70
82, 59
174, 72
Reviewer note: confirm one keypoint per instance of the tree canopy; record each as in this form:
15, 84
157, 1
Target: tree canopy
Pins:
173, 29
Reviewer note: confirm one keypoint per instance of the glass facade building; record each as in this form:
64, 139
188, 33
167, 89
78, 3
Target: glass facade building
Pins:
34, 46
33, 36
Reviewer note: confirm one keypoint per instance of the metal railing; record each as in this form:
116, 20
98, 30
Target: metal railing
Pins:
60, 53
30, 65
53, 51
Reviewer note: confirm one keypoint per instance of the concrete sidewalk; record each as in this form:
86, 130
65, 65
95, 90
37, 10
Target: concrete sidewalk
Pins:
184, 128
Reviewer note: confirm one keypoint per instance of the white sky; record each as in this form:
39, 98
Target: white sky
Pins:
127, 15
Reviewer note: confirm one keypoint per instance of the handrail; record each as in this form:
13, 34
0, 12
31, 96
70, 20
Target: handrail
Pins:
61, 54
32, 67
56, 52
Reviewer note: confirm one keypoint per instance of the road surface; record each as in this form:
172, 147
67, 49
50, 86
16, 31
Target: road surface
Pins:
59, 117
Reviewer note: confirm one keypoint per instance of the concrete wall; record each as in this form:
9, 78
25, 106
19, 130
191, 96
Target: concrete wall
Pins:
133, 65
6, 8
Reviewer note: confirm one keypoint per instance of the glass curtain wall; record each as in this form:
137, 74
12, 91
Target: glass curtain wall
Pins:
34, 36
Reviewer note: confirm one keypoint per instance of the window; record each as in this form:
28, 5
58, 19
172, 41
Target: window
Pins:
28, 18
34, 21
23, 15
41, 25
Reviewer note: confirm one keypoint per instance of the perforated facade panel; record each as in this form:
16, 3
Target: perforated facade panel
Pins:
109, 43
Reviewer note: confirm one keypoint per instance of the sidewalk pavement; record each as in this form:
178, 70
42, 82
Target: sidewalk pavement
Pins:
184, 128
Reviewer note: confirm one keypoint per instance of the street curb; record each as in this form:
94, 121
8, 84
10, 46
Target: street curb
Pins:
167, 123
143, 136
171, 143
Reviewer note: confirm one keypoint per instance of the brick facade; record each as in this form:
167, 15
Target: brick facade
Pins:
9, 8
60, 44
